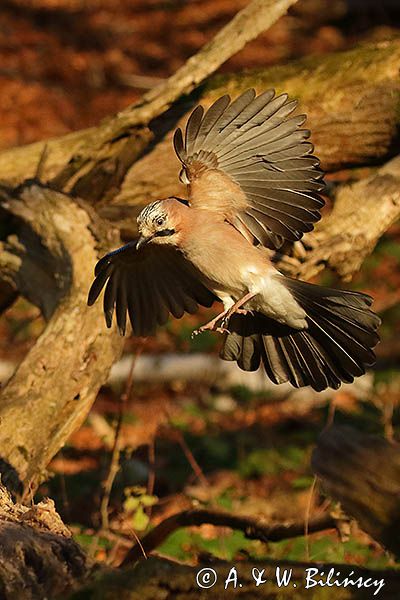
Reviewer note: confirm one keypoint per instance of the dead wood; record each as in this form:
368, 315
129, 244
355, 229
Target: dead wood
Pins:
41, 269
50, 259
92, 163
52, 241
351, 99
38, 557
362, 212
50, 250
49, 256
362, 472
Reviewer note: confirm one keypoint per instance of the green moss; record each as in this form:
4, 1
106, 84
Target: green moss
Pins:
184, 544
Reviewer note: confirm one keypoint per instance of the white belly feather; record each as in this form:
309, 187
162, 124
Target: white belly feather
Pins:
273, 299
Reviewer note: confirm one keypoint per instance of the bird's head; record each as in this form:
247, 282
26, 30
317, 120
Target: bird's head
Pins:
159, 223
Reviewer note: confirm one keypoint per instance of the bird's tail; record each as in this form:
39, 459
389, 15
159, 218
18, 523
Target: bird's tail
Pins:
336, 346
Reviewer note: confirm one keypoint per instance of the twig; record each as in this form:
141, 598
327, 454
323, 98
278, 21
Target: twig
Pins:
152, 474
254, 529
175, 433
190, 457
41, 163
257, 16
114, 462
307, 516
140, 82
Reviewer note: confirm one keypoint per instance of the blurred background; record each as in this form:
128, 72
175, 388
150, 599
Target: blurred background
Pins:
169, 430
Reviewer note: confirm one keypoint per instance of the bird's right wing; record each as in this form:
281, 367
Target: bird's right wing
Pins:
250, 160
149, 284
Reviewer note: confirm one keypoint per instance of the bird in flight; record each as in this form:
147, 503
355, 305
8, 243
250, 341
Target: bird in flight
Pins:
253, 183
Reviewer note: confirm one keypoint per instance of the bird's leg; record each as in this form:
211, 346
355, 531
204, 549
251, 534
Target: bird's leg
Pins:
225, 316
236, 308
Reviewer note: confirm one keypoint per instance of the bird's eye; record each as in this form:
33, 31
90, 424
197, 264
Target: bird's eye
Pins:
160, 221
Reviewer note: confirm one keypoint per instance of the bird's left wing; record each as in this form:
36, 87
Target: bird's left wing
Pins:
250, 160
148, 284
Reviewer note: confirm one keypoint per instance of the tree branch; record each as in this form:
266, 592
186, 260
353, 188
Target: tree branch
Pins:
93, 162
51, 254
254, 529
257, 16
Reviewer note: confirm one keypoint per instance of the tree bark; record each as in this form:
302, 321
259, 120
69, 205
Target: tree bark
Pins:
50, 257
352, 101
47, 277
38, 557
53, 242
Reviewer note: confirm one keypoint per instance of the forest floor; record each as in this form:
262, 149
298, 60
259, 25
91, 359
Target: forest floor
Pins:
66, 64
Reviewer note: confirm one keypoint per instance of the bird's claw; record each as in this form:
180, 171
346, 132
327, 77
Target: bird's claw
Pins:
204, 328
221, 329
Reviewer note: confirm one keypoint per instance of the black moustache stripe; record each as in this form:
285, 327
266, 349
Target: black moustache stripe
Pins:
164, 232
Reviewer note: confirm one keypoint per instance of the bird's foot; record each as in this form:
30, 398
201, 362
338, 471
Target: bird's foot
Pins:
212, 325
225, 316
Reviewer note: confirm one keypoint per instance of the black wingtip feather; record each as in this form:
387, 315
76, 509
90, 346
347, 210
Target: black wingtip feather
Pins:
100, 280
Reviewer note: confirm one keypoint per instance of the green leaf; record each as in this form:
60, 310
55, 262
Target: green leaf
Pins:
131, 503
140, 520
147, 500
302, 483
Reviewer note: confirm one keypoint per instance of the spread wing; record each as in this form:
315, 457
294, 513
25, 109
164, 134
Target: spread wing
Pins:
251, 160
148, 284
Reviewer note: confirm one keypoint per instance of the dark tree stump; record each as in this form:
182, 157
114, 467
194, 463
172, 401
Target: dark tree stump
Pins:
362, 472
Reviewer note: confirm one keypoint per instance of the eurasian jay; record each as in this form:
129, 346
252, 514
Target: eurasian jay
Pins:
252, 184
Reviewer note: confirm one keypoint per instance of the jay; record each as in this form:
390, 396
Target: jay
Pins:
253, 183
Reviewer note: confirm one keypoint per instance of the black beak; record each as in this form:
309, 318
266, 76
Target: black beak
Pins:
142, 241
